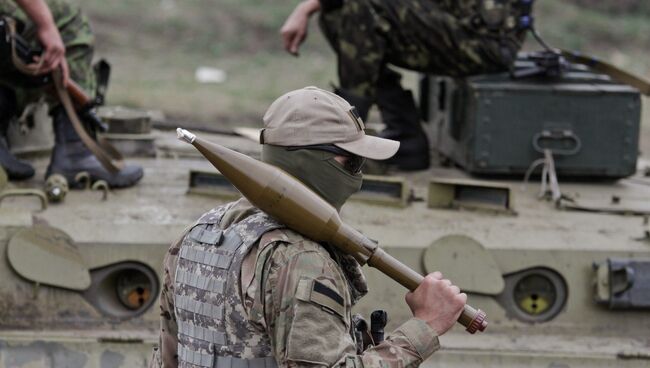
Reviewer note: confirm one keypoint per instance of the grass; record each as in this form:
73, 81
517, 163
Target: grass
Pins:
156, 45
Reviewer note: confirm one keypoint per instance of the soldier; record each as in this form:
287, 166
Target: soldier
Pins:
67, 42
454, 38
241, 290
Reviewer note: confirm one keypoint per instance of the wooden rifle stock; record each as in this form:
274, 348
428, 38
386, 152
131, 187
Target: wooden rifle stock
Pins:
79, 97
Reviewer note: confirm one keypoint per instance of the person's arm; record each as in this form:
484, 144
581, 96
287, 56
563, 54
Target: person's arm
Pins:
47, 33
165, 354
308, 327
294, 30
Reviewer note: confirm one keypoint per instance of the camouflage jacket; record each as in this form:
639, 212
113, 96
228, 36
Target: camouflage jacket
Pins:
279, 278
72, 24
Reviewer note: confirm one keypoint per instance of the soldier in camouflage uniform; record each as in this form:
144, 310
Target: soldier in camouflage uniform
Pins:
241, 290
445, 37
66, 38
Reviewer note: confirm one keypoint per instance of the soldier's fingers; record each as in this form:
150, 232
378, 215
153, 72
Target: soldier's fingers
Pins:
408, 297
455, 289
48, 60
437, 275
34, 67
295, 43
462, 297
446, 282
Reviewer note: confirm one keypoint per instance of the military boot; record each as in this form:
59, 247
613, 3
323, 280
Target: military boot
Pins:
70, 156
400, 115
15, 168
360, 103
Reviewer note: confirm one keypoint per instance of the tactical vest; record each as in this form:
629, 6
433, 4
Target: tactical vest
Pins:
213, 330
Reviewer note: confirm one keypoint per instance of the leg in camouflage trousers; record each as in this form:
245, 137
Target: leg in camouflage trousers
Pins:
367, 35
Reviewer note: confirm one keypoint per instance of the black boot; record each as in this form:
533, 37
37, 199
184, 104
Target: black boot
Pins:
70, 157
400, 115
361, 104
16, 169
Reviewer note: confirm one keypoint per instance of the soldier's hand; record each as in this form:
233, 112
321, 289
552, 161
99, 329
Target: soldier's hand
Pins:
437, 302
53, 55
294, 30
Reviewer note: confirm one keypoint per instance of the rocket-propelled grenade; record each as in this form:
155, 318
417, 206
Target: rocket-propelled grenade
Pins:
289, 201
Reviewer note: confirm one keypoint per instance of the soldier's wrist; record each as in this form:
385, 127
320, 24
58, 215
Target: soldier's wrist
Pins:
421, 336
310, 6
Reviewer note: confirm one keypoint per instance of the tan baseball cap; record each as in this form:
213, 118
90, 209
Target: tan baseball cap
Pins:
312, 115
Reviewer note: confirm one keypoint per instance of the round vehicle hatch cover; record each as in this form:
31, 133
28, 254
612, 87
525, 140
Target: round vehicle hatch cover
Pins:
48, 256
466, 263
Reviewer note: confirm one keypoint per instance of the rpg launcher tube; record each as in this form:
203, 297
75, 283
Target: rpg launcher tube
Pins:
288, 200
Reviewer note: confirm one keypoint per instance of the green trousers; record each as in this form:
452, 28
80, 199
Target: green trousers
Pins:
419, 35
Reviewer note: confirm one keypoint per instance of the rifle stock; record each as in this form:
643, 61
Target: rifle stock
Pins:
79, 97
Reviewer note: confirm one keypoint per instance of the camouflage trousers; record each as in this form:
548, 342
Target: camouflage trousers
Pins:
77, 36
419, 35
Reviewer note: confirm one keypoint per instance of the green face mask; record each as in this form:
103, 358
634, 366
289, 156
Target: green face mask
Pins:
316, 169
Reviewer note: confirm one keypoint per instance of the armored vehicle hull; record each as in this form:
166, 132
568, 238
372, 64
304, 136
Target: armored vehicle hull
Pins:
549, 279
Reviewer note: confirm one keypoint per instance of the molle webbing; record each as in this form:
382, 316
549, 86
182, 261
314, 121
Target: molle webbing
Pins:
195, 306
201, 333
205, 236
212, 361
200, 282
206, 258
230, 362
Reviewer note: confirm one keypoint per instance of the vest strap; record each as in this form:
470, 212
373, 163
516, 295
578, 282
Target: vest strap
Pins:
202, 333
206, 258
231, 241
232, 362
200, 281
205, 309
202, 235
195, 357
211, 361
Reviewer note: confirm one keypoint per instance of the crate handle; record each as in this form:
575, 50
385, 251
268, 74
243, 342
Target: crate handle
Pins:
557, 135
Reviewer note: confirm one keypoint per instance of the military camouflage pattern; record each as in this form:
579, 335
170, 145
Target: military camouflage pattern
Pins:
439, 37
76, 34
297, 295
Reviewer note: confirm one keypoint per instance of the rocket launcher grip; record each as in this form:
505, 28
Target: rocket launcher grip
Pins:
285, 198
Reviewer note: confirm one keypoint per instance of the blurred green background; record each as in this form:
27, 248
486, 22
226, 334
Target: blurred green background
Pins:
155, 47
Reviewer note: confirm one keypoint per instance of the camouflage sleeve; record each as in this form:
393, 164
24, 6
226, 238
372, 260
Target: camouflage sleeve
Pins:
306, 306
329, 5
165, 354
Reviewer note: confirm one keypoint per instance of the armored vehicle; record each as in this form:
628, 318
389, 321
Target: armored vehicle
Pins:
560, 262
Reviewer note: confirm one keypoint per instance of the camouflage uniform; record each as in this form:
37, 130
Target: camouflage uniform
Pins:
440, 37
77, 37
295, 295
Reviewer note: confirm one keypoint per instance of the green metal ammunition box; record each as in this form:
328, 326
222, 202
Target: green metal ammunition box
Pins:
495, 124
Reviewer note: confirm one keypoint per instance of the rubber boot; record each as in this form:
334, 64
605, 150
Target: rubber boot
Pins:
70, 156
400, 115
15, 168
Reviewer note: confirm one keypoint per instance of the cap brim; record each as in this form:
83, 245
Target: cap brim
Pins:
371, 147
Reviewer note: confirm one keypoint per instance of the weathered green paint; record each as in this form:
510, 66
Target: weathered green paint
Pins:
467, 262
48, 256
